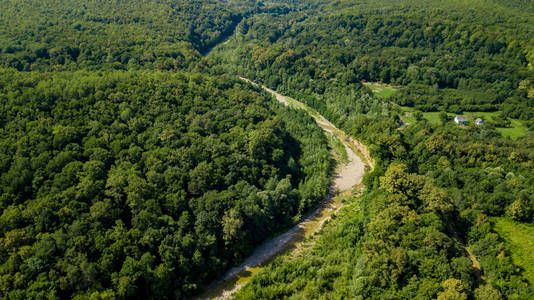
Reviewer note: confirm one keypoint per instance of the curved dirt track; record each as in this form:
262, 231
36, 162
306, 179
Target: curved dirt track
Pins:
347, 177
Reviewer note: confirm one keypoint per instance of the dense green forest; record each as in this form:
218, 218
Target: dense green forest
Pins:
437, 188
133, 167
144, 183
71, 34
453, 56
404, 239
120, 179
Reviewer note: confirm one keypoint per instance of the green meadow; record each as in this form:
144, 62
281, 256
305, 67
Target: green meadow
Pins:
381, 90
519, 238
517, 129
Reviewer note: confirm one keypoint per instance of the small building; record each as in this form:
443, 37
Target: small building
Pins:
459, 119
479, 121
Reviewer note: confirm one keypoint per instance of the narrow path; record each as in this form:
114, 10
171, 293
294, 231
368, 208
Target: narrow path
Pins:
347, 177
476, 264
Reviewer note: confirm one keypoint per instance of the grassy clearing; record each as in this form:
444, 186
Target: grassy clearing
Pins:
517, 129
407, 114
381, 90
519, 238
432, 117
408, 118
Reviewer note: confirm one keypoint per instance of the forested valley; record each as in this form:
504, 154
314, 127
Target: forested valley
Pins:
128, 169
133, 167
425, 228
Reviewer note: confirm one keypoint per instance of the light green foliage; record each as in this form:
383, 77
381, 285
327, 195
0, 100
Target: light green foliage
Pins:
520, 237
339, 149
370, 250
453, 290
381, 90
486, 292
518, 129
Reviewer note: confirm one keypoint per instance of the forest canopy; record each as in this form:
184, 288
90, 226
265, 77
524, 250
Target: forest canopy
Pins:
141, 183
135, 165
73, 34
452, 56
425, 229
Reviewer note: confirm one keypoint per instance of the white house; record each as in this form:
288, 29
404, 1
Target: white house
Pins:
459, 119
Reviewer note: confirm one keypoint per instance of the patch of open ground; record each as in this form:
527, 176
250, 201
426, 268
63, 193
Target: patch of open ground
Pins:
516, 130
381, 90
